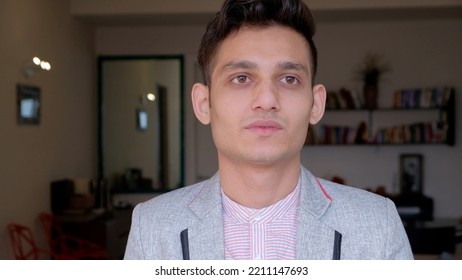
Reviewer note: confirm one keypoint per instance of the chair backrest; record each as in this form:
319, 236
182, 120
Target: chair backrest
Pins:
23, 242
68, 247
52, 230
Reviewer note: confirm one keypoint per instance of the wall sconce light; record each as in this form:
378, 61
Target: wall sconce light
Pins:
148, 97
36, 64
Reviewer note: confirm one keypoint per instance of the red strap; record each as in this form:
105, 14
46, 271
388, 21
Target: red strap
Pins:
323, 190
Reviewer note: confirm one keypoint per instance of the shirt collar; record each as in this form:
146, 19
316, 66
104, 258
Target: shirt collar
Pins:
251, 215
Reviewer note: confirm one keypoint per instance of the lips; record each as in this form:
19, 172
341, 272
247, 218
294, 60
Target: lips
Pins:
264, 127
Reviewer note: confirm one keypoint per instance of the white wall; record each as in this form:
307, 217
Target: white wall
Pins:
64, 144
422, 52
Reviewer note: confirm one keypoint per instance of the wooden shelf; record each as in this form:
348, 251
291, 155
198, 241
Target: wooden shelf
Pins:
437, 131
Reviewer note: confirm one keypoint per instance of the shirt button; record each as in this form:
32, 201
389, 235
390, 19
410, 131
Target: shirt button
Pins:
257, 257
256, 216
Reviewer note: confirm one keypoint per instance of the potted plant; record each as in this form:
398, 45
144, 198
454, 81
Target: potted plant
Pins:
370, 73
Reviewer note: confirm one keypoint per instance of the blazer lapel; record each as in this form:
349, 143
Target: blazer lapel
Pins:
205, 235
315, 239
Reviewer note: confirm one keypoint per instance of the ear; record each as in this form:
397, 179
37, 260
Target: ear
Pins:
319, 103
201, 102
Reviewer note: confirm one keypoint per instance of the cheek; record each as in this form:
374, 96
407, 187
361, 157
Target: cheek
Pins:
300, 117
300, 109
223, 119
224, 134
226, 109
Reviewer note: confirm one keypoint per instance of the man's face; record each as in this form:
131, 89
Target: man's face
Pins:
261, 99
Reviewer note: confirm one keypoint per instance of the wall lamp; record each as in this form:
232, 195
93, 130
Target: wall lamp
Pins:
148, 97
36, 64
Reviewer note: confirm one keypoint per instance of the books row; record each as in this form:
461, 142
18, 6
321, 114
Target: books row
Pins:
417, 133
337, 135
423, 97
436, 97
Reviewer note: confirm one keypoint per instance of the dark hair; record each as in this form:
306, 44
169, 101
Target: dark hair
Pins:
236, 13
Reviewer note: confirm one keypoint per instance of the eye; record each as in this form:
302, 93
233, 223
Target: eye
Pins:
290, 80
240, 79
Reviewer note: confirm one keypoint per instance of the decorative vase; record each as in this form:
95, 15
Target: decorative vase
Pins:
371, 92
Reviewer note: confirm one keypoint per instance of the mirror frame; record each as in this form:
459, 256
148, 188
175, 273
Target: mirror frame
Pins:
100, 110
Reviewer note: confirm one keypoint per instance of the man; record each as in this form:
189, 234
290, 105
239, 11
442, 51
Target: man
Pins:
259, 61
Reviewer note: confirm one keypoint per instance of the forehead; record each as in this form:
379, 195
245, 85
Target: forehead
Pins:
263, 44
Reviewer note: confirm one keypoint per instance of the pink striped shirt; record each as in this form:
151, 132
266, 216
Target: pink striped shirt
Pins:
268, 233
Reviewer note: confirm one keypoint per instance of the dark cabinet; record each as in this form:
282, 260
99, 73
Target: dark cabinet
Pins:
109, 229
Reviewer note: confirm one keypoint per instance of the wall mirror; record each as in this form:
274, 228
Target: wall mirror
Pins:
140, 116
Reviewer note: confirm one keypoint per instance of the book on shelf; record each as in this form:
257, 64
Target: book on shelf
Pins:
343, 99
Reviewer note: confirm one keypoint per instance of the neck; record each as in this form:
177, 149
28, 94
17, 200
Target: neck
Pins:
257, 186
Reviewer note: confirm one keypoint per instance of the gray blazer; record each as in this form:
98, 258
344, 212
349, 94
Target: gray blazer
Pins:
334, 221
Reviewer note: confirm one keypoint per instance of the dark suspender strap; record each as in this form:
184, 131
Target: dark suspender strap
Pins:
185, 244
337, 245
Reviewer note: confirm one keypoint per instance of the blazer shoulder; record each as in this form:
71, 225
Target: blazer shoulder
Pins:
352, 195
177, 198
353, 206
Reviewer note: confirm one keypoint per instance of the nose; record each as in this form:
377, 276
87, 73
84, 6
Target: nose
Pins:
266, 97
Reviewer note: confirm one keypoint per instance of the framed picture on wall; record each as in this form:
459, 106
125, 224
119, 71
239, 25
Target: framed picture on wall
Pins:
141, 119
28, 103
411, 168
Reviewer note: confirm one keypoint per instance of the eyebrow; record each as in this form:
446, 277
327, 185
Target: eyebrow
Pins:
245, 64
289, 65
239, 64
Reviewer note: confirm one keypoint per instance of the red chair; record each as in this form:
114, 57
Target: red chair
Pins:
65, 246
23, 243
